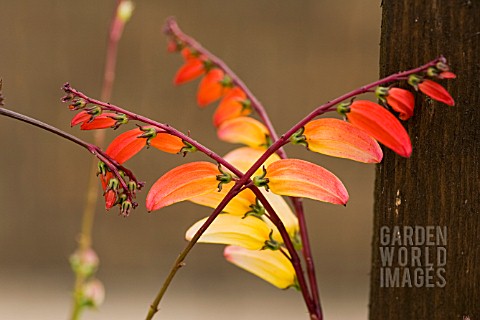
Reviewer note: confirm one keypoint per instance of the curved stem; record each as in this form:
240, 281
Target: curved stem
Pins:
172, 28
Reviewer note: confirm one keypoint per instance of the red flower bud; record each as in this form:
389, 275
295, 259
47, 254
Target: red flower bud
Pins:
212, 87
381, 125
436, 92
401, 101
192, 69
102, 121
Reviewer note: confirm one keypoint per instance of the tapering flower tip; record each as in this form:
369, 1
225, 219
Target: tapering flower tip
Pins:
239, 205
102, 121
401, 100
271, 266
447, 75
381, 125
248, 232
243, 158
436, 92
182, 183
212, 87
285, 213
188, 54
299, 178
234, 104
129, 143
191, 69
244, 130
341, 139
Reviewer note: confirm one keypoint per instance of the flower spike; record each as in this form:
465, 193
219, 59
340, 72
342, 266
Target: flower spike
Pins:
380, 124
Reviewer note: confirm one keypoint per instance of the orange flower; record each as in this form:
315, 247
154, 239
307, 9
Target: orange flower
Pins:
400, 100
184, 182
380, 124
299, 178
244, 130
436, 92
212, 87
129, 143
192, 69
102, 121
234, 104
338, 138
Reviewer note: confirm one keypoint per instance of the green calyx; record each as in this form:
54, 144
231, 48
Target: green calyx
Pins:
102, 168
299, 138
112, 184
224, 177
414, 80
187, 148
432, 72
77, 104
246, 105
381, 93
257, 210
268, 141
261, 181
120, 119
149, 134
226, 82
271, 244
344, 108
94, 112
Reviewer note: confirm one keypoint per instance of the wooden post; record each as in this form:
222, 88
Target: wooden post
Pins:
439, 186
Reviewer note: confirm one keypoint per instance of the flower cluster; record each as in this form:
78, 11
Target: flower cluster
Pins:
247, 186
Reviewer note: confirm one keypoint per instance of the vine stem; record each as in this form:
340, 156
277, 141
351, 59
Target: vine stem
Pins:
245, 178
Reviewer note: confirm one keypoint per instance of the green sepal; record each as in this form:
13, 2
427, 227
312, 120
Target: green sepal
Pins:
224, 177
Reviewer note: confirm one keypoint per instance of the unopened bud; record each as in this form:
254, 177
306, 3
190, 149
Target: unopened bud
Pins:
93, 293
84, 262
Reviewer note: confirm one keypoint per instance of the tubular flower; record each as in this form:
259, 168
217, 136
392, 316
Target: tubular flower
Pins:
380, 124
244, 157
239, 205
184, 182
298, 178
129, 143
212, 87
89, 122
249, 232
272, 266
234, 104
338, 138
192, 69
286, 215
401, 100
436, 92
244, 130
110, 195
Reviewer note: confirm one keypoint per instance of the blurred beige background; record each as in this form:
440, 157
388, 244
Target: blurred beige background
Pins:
294, 55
